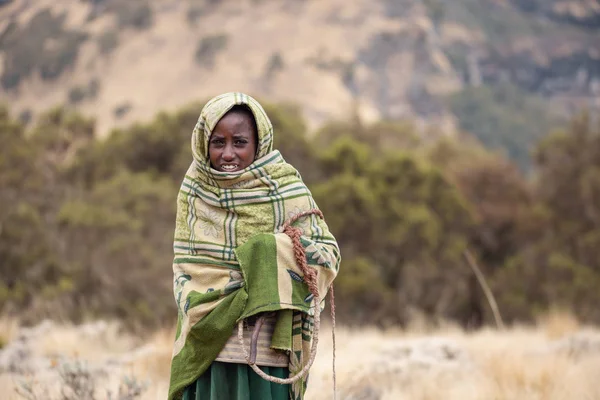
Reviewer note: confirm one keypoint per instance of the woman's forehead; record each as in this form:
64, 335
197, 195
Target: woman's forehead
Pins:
236, 119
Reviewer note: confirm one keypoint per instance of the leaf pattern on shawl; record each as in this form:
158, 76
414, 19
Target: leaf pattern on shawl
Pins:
210, 223
295, 276
179, 281
317, 254
301, 223
186, 307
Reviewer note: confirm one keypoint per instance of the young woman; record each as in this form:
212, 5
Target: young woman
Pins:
233, 262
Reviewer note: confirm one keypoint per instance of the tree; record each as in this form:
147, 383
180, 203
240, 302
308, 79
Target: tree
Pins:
401, 217
559, 265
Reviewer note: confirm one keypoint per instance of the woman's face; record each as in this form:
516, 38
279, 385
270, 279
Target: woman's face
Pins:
232, 145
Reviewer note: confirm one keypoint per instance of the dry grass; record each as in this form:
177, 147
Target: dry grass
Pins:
558, 323
520, 363
8, 330
516, 364
92, 342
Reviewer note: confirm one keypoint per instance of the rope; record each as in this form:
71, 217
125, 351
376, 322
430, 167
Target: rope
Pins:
310, 277
332, 310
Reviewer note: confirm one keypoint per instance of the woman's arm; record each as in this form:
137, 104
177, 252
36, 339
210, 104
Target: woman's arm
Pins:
274, 280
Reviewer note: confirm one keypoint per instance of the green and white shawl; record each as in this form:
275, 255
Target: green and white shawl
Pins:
231, 259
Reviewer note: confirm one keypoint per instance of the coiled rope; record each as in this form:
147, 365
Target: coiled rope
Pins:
310, 277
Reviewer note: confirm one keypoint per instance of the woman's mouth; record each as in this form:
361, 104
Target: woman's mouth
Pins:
229, 167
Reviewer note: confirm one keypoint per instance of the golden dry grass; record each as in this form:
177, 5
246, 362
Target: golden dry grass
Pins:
8, 329
519, 363
558, 323
515, 364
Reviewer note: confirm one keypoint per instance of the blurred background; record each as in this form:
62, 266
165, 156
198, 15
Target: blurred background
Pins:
437, 136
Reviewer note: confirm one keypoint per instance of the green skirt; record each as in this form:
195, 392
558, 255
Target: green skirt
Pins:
230, 381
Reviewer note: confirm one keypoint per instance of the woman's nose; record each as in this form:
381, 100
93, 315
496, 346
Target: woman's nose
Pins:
228, 153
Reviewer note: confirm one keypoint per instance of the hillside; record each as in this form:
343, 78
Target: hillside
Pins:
388, 59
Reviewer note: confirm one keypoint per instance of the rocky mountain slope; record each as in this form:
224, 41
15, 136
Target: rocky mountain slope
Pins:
123, 61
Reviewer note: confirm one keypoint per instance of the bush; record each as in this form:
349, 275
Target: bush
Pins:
121, 110
274, 65
209, 47
401, 217
108, 41
504, 118
136, 14
76, 94
78, 381
79, 93
44, 45
25, 116
501, 23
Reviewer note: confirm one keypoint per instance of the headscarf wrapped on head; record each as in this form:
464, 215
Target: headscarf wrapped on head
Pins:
212, 113
231, 259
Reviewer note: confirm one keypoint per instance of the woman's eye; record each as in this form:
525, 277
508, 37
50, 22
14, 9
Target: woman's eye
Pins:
241, 142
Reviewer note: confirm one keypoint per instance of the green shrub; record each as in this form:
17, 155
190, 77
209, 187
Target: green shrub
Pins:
274, 65
121, 110
209, 47
25, 116
136, 14
76, 95
108, 41
500, 22
44, 46
79, 93
504, 118
193, 14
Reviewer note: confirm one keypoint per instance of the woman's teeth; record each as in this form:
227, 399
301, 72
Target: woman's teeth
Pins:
229, 167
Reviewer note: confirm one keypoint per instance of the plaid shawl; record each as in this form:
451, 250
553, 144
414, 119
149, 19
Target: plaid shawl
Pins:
231, 260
